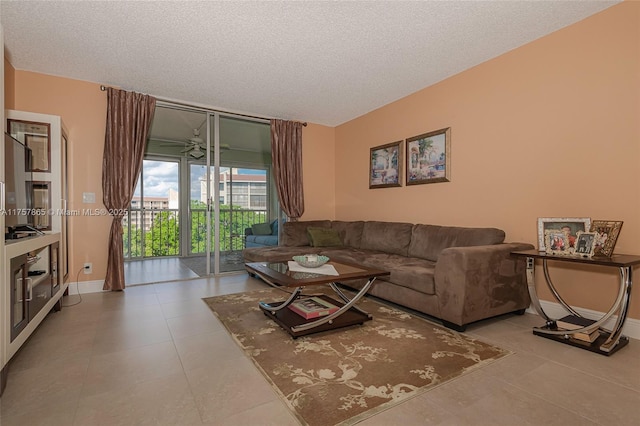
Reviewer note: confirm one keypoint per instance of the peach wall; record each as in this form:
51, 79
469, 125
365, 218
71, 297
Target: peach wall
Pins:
82, 107
318, 168
9, 85
550, 129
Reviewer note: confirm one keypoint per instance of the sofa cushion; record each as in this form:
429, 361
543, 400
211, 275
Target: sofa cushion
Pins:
261, 240
410, 272
261, 229
350, 232
274, 227
427, 241
389, 237
324, 237
294, 234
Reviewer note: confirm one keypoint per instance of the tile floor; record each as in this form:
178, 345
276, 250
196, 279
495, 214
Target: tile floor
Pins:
155, 354
163, 269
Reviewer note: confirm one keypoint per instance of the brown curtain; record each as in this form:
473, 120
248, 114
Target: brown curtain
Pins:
286, 154
129, 117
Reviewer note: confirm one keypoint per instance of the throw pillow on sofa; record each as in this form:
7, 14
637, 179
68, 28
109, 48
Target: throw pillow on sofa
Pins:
324, 237
261, 229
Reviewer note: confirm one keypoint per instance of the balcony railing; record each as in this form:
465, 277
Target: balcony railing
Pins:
232, 226
151, 233
156, 232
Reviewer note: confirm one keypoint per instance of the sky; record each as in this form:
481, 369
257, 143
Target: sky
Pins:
161, 176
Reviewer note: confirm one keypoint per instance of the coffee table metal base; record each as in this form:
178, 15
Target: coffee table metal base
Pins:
297, 326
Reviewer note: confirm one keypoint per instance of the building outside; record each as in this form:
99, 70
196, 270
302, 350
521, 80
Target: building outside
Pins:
247, 191
152, 206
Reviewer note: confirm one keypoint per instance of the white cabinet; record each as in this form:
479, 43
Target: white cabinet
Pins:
51, 186
3, 283
33, 287
47, 136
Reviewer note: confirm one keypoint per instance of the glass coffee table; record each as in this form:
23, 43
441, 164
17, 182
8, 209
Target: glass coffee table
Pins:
279, 275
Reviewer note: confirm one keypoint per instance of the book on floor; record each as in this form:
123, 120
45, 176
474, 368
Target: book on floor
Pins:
312, 307
572, 322
586, 337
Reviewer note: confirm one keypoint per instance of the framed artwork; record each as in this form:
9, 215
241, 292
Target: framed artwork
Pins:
556, 241
571, 225
585, 243
429, 157
607, 236
385, 164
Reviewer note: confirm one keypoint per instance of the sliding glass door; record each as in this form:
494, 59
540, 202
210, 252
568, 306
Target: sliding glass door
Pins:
152, 227
206, 178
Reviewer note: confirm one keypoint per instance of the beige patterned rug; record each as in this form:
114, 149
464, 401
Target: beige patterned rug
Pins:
346, 375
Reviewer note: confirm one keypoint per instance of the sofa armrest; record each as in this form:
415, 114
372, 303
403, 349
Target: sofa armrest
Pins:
474, 283
248, 231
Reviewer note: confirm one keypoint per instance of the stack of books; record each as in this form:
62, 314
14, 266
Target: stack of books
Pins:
312, 307
572, 322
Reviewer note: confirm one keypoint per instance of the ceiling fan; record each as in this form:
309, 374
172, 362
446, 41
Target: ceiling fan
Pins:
196, 148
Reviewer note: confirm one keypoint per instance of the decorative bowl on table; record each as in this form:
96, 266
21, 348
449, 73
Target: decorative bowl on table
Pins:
311, 260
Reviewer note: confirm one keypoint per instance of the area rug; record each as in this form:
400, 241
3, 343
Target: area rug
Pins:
342, 376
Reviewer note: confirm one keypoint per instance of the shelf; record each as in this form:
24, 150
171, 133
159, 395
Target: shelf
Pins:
287, 319
591, 347
608, 342
37, 279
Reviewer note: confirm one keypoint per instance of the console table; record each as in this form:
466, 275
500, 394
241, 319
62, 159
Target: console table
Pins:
609, 341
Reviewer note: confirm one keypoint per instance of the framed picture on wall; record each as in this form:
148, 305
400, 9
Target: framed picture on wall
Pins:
429, 157
385, 162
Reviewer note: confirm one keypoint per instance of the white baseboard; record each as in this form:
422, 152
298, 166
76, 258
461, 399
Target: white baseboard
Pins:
86, 287
556, 310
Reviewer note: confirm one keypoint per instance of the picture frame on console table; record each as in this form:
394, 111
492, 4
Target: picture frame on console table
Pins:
585, 244
429, 157
569, 224
385, 165
556, 241
607, 235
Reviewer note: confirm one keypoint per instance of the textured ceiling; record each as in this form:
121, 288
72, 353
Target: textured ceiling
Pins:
323, 62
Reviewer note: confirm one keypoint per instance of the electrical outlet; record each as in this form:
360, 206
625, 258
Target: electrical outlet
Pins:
88, 268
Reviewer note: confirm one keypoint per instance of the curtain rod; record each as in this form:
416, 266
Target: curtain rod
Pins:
304, 124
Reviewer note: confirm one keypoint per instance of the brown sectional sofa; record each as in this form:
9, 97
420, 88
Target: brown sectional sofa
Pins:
459, 275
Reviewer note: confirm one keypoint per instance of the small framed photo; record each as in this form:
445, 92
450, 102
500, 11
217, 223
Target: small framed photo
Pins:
556, 241
585, 244
607, 235
429, 157
571, 225
385, 164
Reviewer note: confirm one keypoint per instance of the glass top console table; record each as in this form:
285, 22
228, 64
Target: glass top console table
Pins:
609, 341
